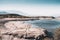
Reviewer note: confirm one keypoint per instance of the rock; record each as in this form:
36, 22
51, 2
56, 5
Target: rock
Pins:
15, 38
7, 37
16, 30
36, 32
13, 25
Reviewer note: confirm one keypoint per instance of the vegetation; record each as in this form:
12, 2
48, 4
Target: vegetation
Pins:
47, 38
57, 34
12, 16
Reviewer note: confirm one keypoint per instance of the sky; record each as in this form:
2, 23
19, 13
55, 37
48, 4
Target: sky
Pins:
32, 7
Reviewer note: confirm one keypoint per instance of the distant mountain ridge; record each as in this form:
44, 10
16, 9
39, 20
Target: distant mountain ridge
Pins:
11, 15
16, 15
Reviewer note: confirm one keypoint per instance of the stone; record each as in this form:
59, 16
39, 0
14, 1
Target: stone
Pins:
7, 37
16, 31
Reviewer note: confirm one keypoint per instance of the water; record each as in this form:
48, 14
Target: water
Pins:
48, 24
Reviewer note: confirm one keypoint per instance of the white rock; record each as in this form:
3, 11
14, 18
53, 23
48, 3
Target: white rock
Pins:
21, 28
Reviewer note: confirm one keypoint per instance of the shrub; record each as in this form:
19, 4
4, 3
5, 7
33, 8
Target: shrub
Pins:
57, 34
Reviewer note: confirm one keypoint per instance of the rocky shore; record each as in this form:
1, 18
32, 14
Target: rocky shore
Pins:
19, 30
13, 27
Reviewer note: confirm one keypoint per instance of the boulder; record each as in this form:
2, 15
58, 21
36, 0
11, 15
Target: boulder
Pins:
16, 25
7, 37
21, 30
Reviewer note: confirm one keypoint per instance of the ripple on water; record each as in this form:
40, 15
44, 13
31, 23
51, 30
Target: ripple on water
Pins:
48, 24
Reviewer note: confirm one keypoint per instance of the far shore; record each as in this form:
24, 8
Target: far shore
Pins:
26, 19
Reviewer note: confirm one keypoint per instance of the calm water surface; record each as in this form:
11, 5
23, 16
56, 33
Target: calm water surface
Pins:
48, 24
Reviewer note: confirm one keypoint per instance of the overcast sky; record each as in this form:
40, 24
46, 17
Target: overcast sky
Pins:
32, 7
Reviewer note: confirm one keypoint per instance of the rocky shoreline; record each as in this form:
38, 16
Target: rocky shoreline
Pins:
12, 27
17, 30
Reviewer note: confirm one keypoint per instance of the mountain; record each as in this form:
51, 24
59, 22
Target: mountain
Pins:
11, 15
15, 14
